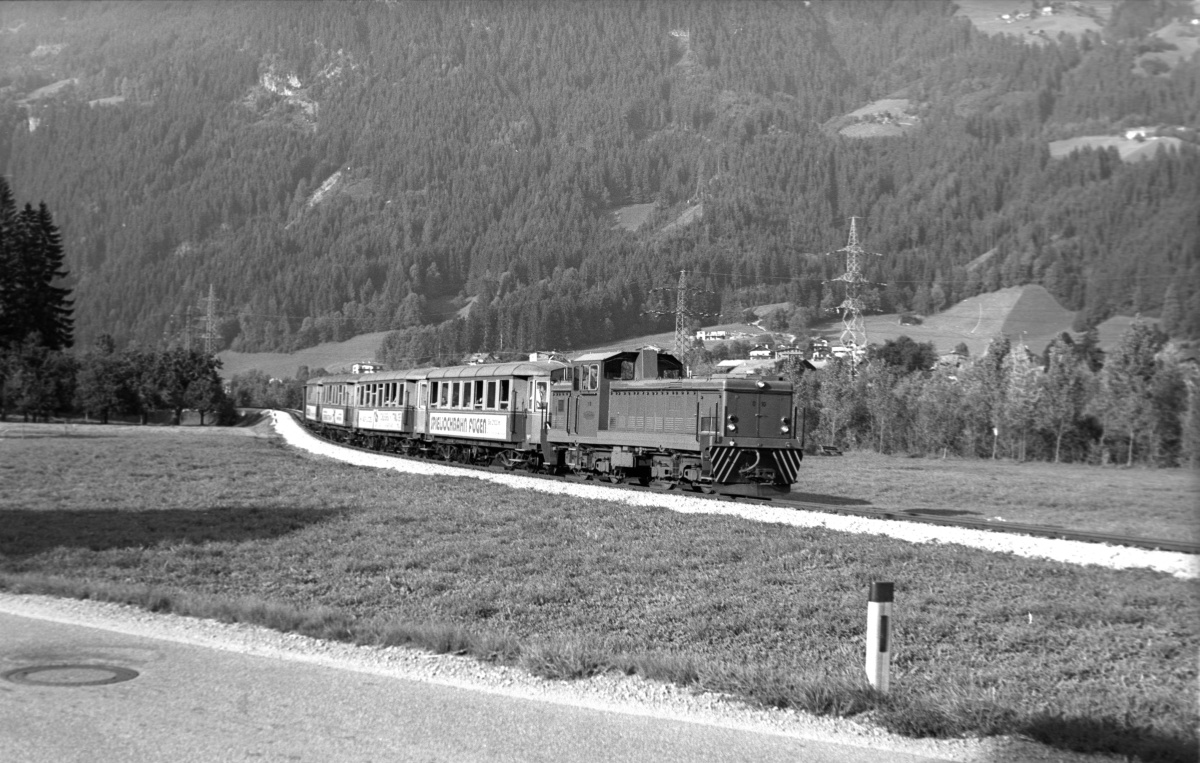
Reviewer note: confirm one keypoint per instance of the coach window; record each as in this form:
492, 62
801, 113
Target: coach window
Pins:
504, 394
438, 394
479, 394
423, 394
491, 396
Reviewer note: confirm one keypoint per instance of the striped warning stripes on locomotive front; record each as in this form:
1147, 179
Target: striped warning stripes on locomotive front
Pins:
787, 465
727, 459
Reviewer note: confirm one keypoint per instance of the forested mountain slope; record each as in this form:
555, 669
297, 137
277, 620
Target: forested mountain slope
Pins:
333, 169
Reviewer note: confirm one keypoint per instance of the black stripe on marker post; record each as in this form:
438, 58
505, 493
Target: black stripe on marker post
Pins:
881, 593
883, 634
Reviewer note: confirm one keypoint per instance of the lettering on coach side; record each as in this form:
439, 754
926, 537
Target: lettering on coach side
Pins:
488, 427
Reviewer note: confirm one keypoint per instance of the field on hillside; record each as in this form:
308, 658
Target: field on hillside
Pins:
244, 529
633, 216
335, 357
985, 16
1129, 149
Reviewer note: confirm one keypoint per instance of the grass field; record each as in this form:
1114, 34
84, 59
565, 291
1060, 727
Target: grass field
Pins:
220, 524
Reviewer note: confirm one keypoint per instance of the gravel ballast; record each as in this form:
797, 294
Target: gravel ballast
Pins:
1071, 552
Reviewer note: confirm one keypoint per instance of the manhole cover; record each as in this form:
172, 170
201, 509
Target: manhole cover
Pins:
70, 675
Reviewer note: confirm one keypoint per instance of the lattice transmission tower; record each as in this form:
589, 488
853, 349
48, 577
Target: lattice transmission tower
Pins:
685, 313
210, 334
854, 332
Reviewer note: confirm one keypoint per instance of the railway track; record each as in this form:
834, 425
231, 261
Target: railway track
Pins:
901, 515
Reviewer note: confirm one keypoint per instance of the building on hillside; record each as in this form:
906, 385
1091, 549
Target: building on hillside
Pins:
535, 357
479, 358
710, 336
365, 368
951, 360
762, 352
743, 367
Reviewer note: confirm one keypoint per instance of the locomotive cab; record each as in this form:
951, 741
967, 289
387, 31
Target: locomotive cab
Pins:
634, 416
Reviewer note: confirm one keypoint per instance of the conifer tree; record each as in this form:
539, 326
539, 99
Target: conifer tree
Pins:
31, 261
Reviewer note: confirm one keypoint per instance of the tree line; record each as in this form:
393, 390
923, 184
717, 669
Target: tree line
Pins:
1137, 404
41, 377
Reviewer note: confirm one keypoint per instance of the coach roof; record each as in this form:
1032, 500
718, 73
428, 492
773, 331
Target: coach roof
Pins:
523, 368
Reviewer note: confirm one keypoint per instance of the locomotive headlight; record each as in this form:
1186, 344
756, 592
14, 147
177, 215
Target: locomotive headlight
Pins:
785, 425
732, 424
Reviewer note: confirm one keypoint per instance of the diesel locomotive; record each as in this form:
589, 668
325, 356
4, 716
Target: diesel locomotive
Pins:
622, 416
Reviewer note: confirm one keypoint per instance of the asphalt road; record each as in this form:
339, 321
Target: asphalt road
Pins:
197, 703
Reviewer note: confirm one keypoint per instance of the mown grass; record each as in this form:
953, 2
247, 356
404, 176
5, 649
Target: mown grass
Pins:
243, 529
1150, 503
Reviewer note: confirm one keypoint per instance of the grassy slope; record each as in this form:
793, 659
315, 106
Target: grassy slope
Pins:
984, 15
242, 528
332, 356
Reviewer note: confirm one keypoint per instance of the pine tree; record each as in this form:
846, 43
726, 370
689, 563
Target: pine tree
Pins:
31, 260
9, 331
49, 305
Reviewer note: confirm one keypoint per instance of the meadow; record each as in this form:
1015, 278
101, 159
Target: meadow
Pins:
224, 524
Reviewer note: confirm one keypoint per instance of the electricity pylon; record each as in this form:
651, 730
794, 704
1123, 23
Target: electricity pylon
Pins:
854, 332
684, 315
210, 335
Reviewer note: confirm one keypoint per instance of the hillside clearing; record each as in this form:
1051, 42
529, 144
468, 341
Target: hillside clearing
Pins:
1130, 149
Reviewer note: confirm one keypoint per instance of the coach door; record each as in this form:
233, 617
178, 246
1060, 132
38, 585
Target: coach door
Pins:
540, 409
421, 413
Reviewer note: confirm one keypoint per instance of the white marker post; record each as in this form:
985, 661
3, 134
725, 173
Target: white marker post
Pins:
879, 634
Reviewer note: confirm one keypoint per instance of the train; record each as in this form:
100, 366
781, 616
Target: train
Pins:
622, 416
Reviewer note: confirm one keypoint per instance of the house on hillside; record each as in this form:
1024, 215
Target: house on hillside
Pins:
952, 360
710, 336
365, 368
479, 358
743, 367
762, 352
